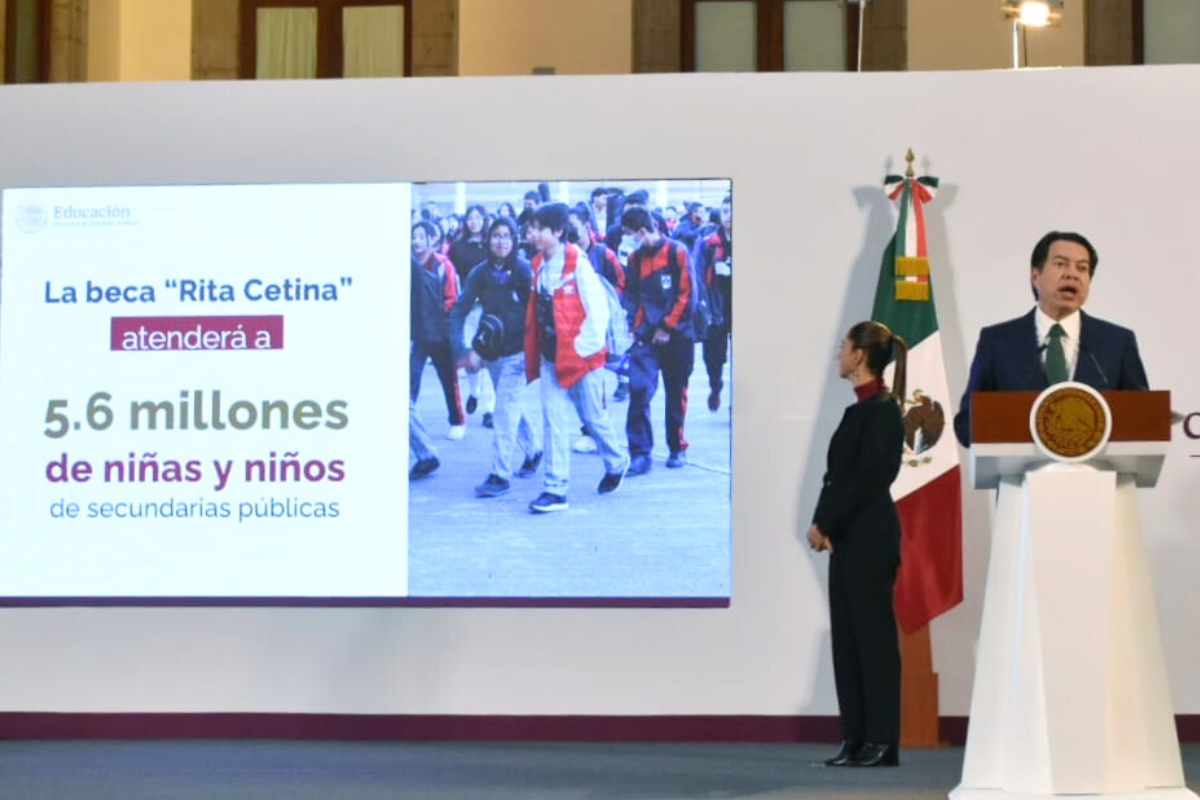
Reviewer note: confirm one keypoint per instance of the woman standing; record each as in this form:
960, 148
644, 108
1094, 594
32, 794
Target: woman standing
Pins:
856, 521
469, 249
470, 245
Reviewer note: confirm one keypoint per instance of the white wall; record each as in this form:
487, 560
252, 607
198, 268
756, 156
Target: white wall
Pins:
1106, 152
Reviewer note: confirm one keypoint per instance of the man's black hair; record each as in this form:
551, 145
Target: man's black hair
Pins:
638, 219
552, 216
640, 197
1041, 251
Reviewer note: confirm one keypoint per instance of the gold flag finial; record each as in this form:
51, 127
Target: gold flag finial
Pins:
908, 173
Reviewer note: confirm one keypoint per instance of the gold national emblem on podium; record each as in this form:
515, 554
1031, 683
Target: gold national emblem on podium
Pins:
1071, 421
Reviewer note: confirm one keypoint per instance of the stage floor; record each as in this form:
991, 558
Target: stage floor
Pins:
291, 770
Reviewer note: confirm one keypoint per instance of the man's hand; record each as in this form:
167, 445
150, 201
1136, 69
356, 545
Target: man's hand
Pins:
660, 336
472, 361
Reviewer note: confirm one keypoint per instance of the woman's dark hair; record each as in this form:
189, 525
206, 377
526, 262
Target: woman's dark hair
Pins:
881, 347
432, 233
503, 222
505, 209
463, 234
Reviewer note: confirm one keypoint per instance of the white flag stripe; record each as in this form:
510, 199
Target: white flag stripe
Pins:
910, 229
927, 372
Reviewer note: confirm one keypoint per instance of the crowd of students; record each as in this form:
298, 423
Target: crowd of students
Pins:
547, 301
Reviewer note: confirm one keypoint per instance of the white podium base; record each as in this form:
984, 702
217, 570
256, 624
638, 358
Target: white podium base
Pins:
1070, 694
962, 793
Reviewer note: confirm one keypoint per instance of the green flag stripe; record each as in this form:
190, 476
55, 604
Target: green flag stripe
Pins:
913, 320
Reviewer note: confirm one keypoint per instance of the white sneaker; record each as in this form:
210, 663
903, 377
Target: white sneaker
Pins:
456, 432
585, 444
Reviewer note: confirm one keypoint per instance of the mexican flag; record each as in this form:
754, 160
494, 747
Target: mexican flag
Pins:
928, 491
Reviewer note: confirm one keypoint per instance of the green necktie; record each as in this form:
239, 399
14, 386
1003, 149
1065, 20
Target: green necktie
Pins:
1056, 359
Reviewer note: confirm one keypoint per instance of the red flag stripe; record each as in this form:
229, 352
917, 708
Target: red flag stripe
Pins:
930, 580
918, 208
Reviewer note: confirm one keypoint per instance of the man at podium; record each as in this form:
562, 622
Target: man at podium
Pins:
1056, 341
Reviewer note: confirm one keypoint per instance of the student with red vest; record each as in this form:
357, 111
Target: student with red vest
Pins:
434, 290
565, 328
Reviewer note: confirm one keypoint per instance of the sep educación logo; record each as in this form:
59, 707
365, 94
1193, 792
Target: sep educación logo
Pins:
32, 217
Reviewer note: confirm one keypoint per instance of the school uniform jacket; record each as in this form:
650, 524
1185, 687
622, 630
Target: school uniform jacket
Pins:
658, 289
434, 290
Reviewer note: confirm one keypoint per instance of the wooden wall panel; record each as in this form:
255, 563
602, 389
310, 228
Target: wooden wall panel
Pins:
1114, 32
68, 41
3, 36
214, 39
656, 36
435, 37
885, 36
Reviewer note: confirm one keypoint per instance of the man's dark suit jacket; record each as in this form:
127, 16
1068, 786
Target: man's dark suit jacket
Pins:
1008, 359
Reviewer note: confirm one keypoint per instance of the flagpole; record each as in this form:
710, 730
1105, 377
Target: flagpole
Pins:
1016, 44
928, 489
862, 14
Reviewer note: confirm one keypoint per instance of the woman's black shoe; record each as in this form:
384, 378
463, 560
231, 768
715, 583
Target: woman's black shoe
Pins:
849, 751
876, 754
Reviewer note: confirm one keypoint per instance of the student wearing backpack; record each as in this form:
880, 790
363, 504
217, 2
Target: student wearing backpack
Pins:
608, 266
434, 290
658, 296
716, 270
566, 326
500, 286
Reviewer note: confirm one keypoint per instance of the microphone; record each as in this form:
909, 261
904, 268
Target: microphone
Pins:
1084, 349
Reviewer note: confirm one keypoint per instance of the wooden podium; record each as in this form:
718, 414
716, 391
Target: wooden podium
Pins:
1070, 693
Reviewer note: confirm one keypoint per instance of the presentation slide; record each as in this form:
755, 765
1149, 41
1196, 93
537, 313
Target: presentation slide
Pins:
320, 394
200, 394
